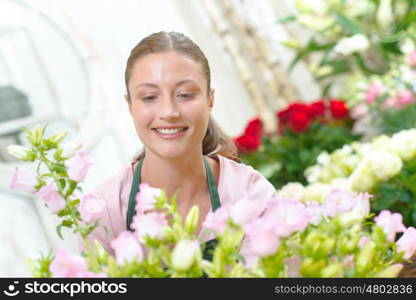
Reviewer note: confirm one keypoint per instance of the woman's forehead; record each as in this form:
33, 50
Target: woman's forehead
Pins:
166, 67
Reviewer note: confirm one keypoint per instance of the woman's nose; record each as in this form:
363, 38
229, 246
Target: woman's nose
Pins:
168, 108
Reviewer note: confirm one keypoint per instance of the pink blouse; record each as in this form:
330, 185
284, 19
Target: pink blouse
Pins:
235, 180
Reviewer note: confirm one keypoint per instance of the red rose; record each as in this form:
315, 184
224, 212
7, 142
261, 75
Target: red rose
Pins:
283, 116
338, 109
299, 121
247, 143
317, 109
254, 128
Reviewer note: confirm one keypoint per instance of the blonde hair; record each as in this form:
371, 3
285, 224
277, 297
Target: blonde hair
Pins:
215, 140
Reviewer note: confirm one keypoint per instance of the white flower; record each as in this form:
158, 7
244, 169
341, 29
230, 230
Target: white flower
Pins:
384, 164
324, 158
292, 190
316, 192
403, 144
385, 14
184, 255
312, 173
362, 179
18, 151
355, 43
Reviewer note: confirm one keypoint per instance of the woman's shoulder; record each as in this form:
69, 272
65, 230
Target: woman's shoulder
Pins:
116, 180
238, 178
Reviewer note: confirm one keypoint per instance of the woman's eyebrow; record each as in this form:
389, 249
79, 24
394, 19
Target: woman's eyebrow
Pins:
148, 84
184, 81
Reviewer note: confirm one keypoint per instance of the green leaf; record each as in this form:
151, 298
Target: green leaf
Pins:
58, 230
347, 24
286, 19
311, 46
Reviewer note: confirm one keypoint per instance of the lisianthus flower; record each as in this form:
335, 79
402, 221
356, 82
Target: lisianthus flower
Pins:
68, 265
262, 236
145, 199
79, 166
288, 216
217, 221
91, 207
407, 242
391, 223
127, 248
150, 224
53, 199
24, 181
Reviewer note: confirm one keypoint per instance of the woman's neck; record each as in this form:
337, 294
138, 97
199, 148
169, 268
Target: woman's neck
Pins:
185, 173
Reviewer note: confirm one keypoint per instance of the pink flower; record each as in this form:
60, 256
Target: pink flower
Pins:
244, 211
91, 208
66, 264
412, 59
338, 202
262, 237
127, 248
373, 90
24, 181
390, 103
79, 166
405, 97
391, 223
53, 199
407, 242
316, 211
146, 197
217, 221
359, 111
150, 224
287, 216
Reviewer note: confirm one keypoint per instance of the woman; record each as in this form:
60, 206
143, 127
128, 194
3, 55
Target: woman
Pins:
170, 100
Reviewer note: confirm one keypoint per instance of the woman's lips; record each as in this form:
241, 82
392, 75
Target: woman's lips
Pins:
170, 135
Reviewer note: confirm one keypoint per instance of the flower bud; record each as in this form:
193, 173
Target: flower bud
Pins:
57, 138
311, 268
192, 219
232, 239
333, 270
102, 254
185, 254
364, 258
385, 16
19, 152
217, 261
36, 135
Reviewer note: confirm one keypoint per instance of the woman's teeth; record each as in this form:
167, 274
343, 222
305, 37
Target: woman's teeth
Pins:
170, 131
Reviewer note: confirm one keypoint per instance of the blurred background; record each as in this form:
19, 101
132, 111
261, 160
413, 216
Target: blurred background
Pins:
292, 79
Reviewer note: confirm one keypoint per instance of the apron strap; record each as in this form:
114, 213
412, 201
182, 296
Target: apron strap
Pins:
213, 192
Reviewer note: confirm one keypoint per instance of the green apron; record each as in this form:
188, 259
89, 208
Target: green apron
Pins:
208, 246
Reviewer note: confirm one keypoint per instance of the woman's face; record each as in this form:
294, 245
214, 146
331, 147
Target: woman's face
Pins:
169, 103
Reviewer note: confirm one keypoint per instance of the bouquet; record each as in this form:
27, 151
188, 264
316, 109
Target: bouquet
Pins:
285, 237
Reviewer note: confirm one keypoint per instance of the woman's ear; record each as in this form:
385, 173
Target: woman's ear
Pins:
211, 98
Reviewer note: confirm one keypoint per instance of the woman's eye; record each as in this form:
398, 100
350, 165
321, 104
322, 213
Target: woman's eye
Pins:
185, 95
147, 98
